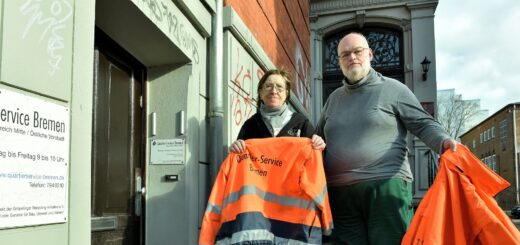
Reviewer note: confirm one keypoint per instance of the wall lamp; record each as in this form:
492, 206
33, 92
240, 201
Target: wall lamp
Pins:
425, 67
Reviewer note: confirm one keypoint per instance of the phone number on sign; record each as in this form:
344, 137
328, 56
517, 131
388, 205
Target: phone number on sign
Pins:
55, 185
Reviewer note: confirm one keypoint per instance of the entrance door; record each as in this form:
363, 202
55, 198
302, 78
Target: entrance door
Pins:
117, 153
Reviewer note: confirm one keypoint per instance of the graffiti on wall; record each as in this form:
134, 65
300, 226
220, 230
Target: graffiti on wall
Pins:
162, 13
301, 77
245, 76
49, 20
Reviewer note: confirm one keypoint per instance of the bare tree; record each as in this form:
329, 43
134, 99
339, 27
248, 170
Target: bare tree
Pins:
455, 114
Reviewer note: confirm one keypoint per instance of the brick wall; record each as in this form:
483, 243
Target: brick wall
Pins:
282, 28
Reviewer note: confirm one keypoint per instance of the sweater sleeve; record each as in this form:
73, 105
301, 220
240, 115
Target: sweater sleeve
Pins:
419, 122
211, 221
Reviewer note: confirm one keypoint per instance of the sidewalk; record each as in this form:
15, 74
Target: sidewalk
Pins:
515, 221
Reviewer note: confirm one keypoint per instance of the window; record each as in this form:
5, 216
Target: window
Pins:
493, 132
489, 134
474, 144
481, 138
494, 162
490, 161
503, 132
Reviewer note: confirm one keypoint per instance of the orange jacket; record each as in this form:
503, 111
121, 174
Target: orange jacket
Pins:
459, 207
275, 191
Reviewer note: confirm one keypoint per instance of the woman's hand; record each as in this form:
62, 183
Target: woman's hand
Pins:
317, 142
238, 146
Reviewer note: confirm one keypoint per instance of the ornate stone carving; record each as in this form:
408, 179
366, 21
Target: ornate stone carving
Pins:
327, 5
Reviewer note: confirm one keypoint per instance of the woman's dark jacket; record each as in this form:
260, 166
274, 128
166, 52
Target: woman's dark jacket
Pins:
255, 127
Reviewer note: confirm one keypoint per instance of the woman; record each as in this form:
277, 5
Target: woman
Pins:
274, 118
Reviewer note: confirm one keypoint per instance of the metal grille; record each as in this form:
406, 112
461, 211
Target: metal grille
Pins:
386, 49
385, 44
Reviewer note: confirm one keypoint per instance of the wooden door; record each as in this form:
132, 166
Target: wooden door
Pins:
116, 145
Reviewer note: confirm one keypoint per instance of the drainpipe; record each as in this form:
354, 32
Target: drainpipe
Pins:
216, 85
516, 156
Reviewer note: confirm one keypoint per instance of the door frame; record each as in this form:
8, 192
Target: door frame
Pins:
138, 74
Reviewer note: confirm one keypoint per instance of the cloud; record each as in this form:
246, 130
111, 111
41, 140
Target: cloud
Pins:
477, 50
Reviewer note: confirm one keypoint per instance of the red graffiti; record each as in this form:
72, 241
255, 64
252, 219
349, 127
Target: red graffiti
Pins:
242, 106
242, 101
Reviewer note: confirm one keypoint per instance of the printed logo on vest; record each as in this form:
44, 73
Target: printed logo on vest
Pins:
294, 132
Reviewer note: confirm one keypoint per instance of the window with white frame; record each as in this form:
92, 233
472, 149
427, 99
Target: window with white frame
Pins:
493, 132
503, 132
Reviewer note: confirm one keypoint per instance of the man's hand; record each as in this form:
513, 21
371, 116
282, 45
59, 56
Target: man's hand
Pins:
317, 142
238, 146
449, 144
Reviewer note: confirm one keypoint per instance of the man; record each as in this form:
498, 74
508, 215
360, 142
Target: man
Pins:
365, 124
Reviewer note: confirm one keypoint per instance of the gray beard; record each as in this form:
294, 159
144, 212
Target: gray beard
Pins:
355, 76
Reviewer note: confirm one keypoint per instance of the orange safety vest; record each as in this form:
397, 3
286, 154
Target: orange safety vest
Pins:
273, 192
459, 207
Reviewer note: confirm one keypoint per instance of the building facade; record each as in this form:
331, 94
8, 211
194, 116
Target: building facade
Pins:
401, 35
115, 115
495, 142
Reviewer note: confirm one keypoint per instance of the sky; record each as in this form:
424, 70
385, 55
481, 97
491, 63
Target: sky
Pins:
477, 46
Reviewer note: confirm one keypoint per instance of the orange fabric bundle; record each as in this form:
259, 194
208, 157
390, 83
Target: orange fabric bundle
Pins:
459, 207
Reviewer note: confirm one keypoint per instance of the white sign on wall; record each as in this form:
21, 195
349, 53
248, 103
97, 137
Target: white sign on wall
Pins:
167, 151
34, 158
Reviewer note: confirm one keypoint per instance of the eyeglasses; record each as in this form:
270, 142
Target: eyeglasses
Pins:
269, 87
357, 52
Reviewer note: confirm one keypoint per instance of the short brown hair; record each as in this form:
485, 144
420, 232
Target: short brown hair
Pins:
285, 75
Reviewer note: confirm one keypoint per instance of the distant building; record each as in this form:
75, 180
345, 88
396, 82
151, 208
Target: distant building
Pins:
495, 142
456, 114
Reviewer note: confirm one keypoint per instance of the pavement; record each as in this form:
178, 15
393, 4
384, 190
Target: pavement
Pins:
514, 220
517, 223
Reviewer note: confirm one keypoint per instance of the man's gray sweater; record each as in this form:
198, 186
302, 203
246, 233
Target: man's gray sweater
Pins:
365, 127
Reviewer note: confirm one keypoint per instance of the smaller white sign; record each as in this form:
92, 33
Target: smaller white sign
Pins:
167, 151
